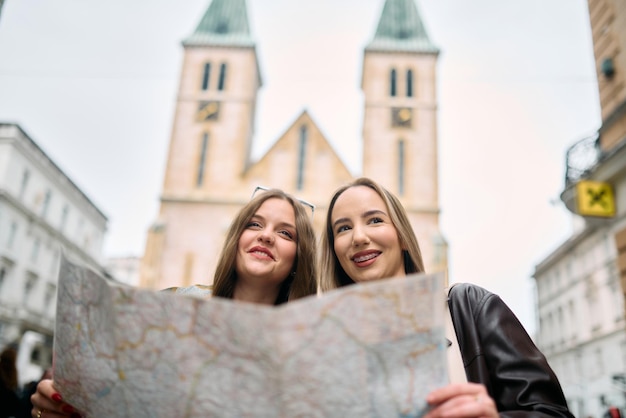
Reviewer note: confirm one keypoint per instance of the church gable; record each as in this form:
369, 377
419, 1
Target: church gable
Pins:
301, 161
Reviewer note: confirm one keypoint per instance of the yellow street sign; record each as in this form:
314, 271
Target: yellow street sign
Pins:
595, 199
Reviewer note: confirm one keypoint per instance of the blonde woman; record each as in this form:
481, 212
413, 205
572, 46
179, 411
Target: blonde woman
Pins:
368, 237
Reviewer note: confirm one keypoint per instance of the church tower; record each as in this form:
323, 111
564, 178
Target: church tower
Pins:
400, 120
209, 147
217, 95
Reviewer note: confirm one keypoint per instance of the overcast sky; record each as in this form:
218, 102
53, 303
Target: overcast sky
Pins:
94, 84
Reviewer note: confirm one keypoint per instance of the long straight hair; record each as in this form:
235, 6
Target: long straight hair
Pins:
301, 282
333, 275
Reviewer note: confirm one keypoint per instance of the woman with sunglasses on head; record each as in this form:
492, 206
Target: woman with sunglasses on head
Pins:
368, 236
269, 257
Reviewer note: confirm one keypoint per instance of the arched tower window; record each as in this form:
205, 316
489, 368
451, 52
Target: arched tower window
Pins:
206, 75
304, 133
204, 144
401, 165
222, 81
409, 83
392, 82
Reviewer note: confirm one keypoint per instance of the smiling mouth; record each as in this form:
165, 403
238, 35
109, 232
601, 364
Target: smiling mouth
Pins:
366, 257
261, 253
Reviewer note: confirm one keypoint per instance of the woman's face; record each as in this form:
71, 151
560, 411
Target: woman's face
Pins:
366, 241
266, 250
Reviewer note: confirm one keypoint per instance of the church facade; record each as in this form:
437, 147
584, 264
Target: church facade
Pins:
210, 173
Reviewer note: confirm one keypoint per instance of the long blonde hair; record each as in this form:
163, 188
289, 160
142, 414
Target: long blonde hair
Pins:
303, 279
333, 275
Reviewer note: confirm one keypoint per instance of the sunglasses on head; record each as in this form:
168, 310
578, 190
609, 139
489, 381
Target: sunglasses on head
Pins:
304, 202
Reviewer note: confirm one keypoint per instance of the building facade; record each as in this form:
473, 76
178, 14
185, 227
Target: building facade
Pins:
42, 213
124, 269
581, 285
210, 174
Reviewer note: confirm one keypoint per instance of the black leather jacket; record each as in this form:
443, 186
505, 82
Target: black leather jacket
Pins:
498, 352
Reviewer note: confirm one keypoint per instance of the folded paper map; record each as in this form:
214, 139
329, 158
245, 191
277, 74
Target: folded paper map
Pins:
367, 350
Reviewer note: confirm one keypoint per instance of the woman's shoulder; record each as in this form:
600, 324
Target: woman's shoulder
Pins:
470, 289
197, 290
471, 299
469, 294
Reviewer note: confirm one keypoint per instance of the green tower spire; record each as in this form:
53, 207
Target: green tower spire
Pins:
400, 28
225, 23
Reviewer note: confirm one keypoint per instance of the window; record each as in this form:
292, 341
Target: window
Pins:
24, 184
550, 330
409, 83
51, 290
34, 254
46, 203
206, 76
222, 80
401, 156
392, 83
542, 331
64, 213
599, 362
301, 156
12, 233
591, 295
573, 319
202, 162
29, 285
569, 270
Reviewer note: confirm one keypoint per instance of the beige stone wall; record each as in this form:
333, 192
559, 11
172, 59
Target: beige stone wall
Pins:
608, 23
194, 234
323, 169
380, 157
